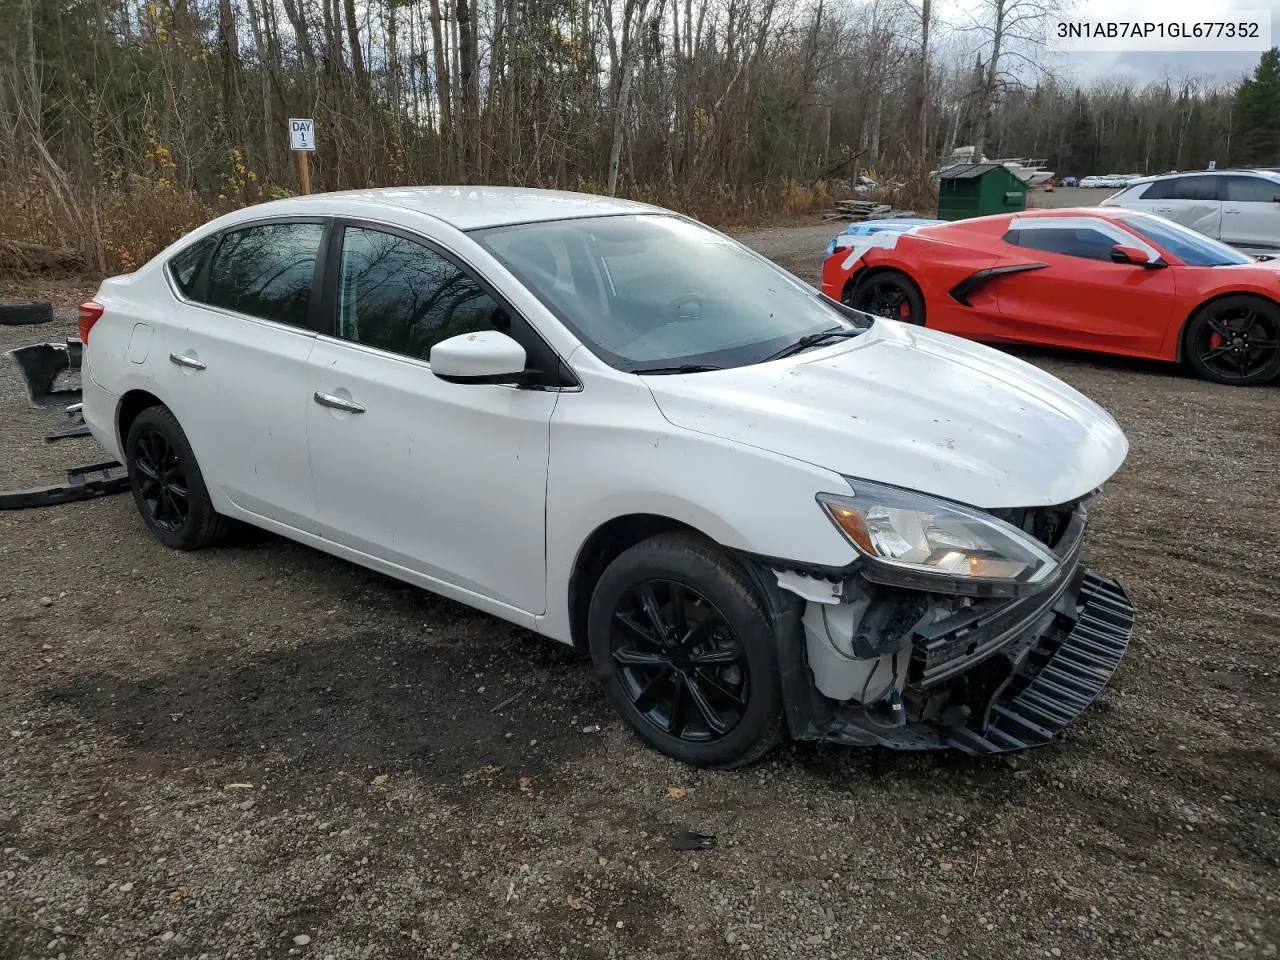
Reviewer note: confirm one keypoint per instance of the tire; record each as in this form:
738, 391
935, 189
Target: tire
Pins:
1235, 340
888, 293
729, 657
14, 313
157, 447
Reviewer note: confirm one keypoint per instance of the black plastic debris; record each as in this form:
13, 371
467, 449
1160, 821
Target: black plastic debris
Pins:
41, 364
71, 432
83, 483
689, 840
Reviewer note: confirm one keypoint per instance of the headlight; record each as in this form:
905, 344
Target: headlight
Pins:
916, 533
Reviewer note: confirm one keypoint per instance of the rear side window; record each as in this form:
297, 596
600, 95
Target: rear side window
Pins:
1251, 190
1183, 188
185, 265
266, 271
1083, 242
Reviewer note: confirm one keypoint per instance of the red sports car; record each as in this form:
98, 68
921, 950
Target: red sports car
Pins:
1113, 281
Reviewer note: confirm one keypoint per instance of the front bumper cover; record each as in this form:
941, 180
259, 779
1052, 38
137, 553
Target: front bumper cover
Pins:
996, 677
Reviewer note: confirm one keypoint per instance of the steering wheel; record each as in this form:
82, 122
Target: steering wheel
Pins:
670, 313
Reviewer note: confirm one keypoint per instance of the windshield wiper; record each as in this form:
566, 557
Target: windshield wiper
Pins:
812, 340
679, 368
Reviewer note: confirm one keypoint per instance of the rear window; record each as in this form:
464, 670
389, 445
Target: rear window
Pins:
1183, 188
185, 265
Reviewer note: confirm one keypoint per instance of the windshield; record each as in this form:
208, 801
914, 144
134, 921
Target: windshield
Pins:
1192, 248
653, 291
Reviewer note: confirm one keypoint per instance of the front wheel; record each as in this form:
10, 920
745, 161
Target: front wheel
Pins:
889, 293
686, 654
1235, 340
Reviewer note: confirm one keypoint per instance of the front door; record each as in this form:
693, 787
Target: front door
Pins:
1081, 298
442, 479
1251, 213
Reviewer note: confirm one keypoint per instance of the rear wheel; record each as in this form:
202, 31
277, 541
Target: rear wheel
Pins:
889, 293
1235, 340
167, 485
685, 652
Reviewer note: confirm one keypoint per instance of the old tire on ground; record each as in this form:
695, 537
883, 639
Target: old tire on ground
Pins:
888, 293
15, 313
1235, 340
168, 488
683, 647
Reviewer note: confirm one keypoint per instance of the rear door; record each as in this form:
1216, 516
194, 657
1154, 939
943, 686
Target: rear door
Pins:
242, 353
1251, 212
1081, 298
1192, 201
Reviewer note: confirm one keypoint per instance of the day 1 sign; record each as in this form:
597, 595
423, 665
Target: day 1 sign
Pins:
302, 134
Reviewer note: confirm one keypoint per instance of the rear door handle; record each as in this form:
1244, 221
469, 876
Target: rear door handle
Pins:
337, 403
1230, 209
189, 362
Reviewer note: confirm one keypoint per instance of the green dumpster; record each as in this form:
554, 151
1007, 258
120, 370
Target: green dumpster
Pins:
979, 189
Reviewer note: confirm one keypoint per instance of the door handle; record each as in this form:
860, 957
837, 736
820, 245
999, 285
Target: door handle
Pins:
1230, 209
337, 403
190, 363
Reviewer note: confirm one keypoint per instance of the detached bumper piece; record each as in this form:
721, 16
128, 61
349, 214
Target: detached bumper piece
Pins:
41, 364
1060, 677
83, 483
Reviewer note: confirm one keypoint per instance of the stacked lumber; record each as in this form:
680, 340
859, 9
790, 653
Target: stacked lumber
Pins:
855, 210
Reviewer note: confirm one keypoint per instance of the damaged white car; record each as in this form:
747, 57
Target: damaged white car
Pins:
763, 513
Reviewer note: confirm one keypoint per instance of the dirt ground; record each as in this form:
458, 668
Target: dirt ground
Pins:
259, 751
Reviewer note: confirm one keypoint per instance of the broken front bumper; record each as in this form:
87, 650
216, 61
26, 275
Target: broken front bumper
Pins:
991, 677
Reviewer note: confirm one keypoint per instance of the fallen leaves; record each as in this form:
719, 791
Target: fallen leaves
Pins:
575, 903
526, 784
179, 894
238, 786
380, 780
677, 793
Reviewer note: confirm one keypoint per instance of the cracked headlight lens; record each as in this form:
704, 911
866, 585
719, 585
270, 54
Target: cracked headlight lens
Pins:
917, 533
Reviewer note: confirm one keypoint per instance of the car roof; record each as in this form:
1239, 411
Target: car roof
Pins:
1257, 171
463, 207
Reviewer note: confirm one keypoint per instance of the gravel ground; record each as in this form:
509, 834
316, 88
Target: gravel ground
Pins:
259, 751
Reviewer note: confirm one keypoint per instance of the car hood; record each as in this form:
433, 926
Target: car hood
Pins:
914, 408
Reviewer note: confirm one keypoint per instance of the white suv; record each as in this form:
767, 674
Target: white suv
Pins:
1239, 207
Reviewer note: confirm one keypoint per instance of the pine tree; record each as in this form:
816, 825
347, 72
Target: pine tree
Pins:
1257, 114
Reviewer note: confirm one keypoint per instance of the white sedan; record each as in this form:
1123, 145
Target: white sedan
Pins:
763, 513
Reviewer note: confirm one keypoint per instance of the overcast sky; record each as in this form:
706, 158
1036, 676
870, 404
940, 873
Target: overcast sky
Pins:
1142, 66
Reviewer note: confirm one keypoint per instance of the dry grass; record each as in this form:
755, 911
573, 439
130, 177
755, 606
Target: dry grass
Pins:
116, 228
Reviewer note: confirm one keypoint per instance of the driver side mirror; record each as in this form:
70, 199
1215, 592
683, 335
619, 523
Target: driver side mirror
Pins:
1136, 256
486, 356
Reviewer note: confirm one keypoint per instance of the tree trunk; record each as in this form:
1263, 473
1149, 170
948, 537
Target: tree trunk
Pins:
357, 55
442, 72
987, 97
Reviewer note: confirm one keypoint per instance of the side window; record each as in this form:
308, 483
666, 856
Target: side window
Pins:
1192, 188
1251, 190
184, 266
1084, 242
266, 271
404, 297
1157, 190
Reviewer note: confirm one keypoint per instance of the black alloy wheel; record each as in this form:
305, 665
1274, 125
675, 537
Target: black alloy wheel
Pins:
1236, 340
682, 643
168, 487
678, 661
889, 294
162, 480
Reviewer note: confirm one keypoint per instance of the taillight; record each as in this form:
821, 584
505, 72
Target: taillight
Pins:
90, 312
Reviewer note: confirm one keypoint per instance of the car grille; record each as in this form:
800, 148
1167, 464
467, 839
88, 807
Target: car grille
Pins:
1046, 524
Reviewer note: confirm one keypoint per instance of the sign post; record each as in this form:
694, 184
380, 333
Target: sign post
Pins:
302, 140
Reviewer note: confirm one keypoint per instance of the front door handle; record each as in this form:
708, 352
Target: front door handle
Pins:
190, 362
337, 403
1230, 209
